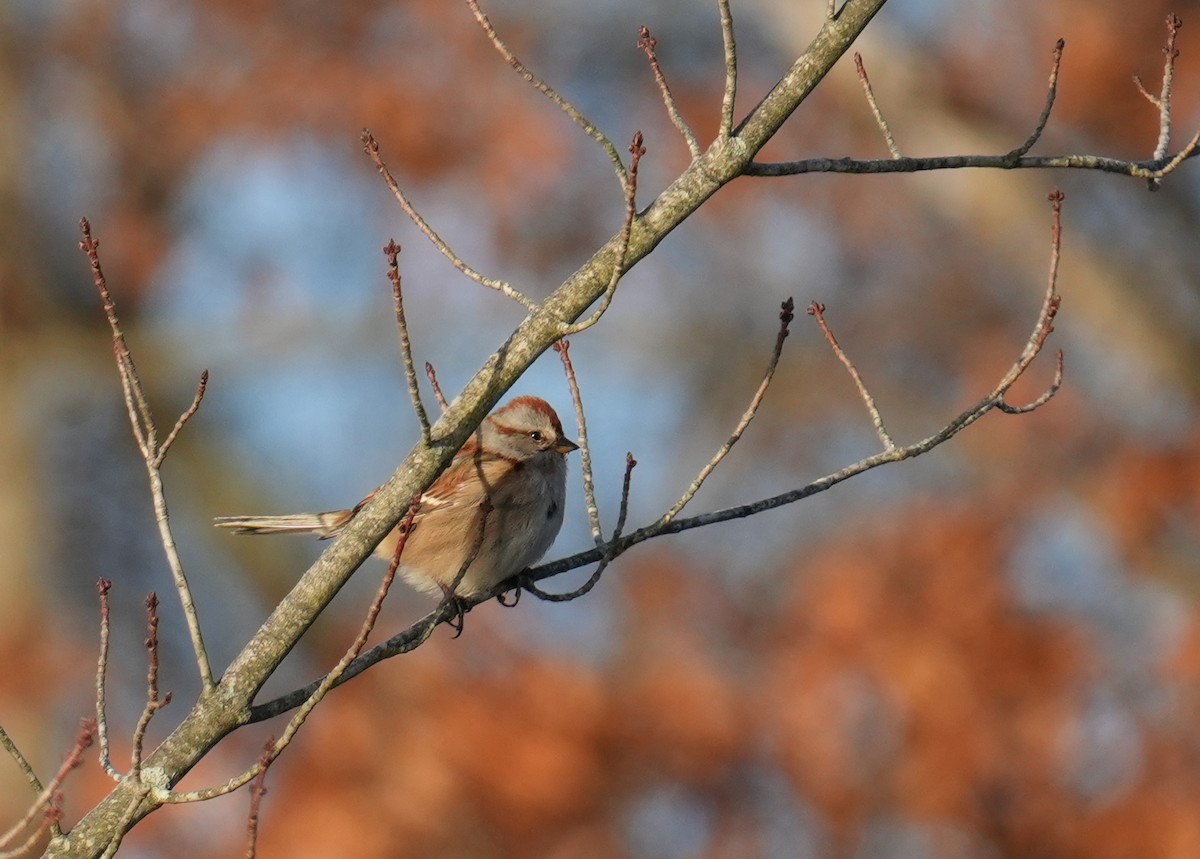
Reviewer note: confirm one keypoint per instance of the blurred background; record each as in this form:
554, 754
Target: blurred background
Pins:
989, 651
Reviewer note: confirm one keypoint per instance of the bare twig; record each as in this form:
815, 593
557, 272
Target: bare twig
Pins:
786, 315
729, 97
183, 419
392, 250
433, 382
450, 593
548, 91
563, 347
870, 93
1051, 93
647, 42
153, 702
103, 586
1100, 163
146, 434
258, 789
371, 147
318, 692
46, 802
817, 311
636, 151
528, 585
1163, 101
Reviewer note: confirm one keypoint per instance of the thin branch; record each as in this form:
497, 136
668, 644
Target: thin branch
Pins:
318, 692
431, 374
870, 93
45, 803
146, 434
562, 347
183, 419
1051, 94
817, 311
258, 789
786, 315
636, 151
528, 585
1103, 164
646, 43
1163, 102
545, 89
392, 250
450, 593
729, 97
153, 702
103, 586
371, 147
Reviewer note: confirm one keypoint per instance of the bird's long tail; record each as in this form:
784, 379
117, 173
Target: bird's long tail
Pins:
324, 525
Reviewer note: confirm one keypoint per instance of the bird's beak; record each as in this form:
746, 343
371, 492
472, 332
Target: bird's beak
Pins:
565, 446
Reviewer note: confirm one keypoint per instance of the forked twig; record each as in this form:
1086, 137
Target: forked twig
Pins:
48, 797
371, 147
392, 250
562, 347
1163, 101
646, 43
636, 151
548, 91
146, 434
870, 93
786, 315
817, 310
1051, 94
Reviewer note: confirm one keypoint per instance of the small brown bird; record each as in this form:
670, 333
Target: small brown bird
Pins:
516, 460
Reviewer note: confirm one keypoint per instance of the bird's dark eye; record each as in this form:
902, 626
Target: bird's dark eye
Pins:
536, 435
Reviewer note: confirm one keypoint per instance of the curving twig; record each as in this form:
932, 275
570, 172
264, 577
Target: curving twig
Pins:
153, 702
548, 91
636, 151
1051, 94
562, 347
817, 310
371, 147
103, 586
431, 374
646, 43
392, 250
48, 799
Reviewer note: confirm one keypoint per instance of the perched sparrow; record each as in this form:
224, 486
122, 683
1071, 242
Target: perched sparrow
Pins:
512, 471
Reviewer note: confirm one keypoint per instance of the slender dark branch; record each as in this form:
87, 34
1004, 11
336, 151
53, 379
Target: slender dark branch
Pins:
646, 43
371, 147
1136, 169
548, 91
392, 250
47, 803
528, 585
1051, 93
870, 94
